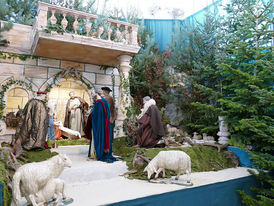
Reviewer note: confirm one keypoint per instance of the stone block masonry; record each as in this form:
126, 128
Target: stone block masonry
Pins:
41, 70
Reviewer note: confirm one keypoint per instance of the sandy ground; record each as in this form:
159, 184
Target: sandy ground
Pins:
97, 183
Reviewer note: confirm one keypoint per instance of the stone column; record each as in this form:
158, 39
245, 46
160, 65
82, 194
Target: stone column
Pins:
223, 133
124, 97
42, 15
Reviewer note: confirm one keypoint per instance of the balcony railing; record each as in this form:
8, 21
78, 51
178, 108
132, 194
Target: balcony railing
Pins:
85, 24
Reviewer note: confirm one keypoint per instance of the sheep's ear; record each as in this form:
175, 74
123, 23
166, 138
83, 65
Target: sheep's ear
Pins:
145, 170
59, 160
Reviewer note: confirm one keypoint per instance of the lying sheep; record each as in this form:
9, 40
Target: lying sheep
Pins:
55, 186
172, 160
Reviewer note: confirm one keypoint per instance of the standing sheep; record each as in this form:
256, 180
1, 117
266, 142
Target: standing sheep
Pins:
30, 178
172, 160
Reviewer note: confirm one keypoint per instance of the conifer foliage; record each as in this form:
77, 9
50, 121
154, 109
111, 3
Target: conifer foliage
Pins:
193, 55
247, 67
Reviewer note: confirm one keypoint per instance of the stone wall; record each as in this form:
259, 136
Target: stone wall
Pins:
40, 70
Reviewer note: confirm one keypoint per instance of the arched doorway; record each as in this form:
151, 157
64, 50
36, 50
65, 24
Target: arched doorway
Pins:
59, 95
16, 98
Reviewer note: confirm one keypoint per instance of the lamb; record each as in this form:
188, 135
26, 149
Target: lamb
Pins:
54, 186
172, 160
33, 177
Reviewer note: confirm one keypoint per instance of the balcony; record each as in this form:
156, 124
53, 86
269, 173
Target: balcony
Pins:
88, 39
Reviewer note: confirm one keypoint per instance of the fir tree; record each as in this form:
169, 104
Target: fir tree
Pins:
193, 55
147, 76
247, 68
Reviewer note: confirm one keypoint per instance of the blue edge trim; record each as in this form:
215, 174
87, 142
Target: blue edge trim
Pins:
1, 194
222, 193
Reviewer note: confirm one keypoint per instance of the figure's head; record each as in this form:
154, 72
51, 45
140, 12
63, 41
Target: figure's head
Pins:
71, 94
41, 95
146, 99
106, 90
95, 94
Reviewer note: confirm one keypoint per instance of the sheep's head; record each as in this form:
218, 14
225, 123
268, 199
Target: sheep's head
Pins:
65, 160
149, 171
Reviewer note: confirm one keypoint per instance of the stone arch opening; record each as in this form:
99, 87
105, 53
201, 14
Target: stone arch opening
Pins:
18, 91
17, 97
58, 96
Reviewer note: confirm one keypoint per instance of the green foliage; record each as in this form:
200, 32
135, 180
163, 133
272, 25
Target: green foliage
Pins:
67, 142
247, 67
3, 179
147, 76
202, 158
19, 11
193, 59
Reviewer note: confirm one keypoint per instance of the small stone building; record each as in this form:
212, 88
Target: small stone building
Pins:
59, 63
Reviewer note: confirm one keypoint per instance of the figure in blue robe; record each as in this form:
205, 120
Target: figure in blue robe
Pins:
99, 132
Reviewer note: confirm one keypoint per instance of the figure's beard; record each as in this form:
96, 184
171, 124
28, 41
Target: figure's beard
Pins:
94, 98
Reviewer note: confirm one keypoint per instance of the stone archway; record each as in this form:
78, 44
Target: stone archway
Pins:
59, 87
18, 83
10, 84
59, 96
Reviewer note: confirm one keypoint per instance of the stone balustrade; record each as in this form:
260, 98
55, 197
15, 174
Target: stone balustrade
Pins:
86, 24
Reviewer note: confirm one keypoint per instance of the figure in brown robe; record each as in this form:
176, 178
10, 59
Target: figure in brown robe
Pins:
32, 129
150, 128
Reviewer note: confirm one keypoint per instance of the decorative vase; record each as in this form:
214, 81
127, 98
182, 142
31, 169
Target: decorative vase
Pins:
223, 130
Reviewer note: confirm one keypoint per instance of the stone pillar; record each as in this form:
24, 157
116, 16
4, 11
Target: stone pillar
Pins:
223, 133
42, 15
124, 97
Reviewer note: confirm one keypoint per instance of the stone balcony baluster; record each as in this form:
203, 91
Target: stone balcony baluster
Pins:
87, 26
53, 19
100, 31
64, 21
118, 34
109, 31
75, 24
126, 34
103, 50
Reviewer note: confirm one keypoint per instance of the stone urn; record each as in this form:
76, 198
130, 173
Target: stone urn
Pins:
223, 130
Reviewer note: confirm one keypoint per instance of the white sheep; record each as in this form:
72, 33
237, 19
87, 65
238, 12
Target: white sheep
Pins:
55, 186
172, 160
30, 178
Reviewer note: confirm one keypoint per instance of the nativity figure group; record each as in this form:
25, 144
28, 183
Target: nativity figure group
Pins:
97, 125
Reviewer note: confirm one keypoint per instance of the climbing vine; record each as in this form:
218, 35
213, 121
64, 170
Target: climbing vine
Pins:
6, 86
20, 56
62, 74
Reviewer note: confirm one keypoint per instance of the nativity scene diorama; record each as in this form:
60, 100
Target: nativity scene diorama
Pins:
82, 99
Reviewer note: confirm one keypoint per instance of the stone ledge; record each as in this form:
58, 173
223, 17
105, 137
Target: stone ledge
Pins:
49, 62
